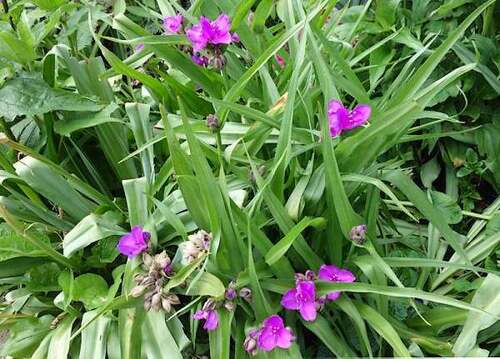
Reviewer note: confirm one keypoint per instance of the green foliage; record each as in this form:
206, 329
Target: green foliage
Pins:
99, 136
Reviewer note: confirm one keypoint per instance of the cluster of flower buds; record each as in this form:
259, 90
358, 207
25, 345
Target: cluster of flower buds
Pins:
212, 123
230, 295
156, 270
358, 234
196, 246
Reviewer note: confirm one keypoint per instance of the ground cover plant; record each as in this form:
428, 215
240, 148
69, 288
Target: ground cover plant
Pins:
228, 179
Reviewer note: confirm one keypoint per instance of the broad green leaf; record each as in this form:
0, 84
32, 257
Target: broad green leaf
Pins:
220, 338
95, 336
60, 343
77, 121
32, 96
13, 245
16, 50
90, 289
53, 187
91, 229
207, 285
486, 297
157, 339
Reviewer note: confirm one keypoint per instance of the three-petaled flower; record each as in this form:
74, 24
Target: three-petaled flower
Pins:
274, 334
341, 118
303, 299
134, 243
334, 274
208, 32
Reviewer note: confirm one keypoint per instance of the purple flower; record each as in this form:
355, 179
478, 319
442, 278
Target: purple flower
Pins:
139, 48
274, 334
280, 60
211, 318
134, 243
341, 118
200, 60
173, 24
210, 32
303, 299
332, 273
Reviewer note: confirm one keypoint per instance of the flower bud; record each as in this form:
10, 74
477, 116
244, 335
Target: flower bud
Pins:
147, 259
156, 302
212, 122
230, 306
246, 293
218, 61
137, 291
250, 343
231, 293
358, 234
209, 305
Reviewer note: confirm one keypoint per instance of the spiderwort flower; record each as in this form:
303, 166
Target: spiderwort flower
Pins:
173, 24
210, 32
134, 243
209, 315
341, 118
274, 334
139, 48
302, 298
334, 274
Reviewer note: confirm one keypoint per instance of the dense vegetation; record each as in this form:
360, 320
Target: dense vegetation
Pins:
228, 178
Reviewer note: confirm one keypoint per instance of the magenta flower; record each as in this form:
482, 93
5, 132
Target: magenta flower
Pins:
332, 273
173, 24
303, 299
134, 243
200, 60
211, 318
210, 32
274, 334
139, 48
341, 118
280, 60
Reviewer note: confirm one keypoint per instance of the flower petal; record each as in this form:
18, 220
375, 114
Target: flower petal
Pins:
274, 321
200, 314
327, 272
338, 117
308, 311
220, 30
343, 275
333, 295
359, 116
212, 321
284, 338
289, 300
308, 290
267, 340
197, 36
